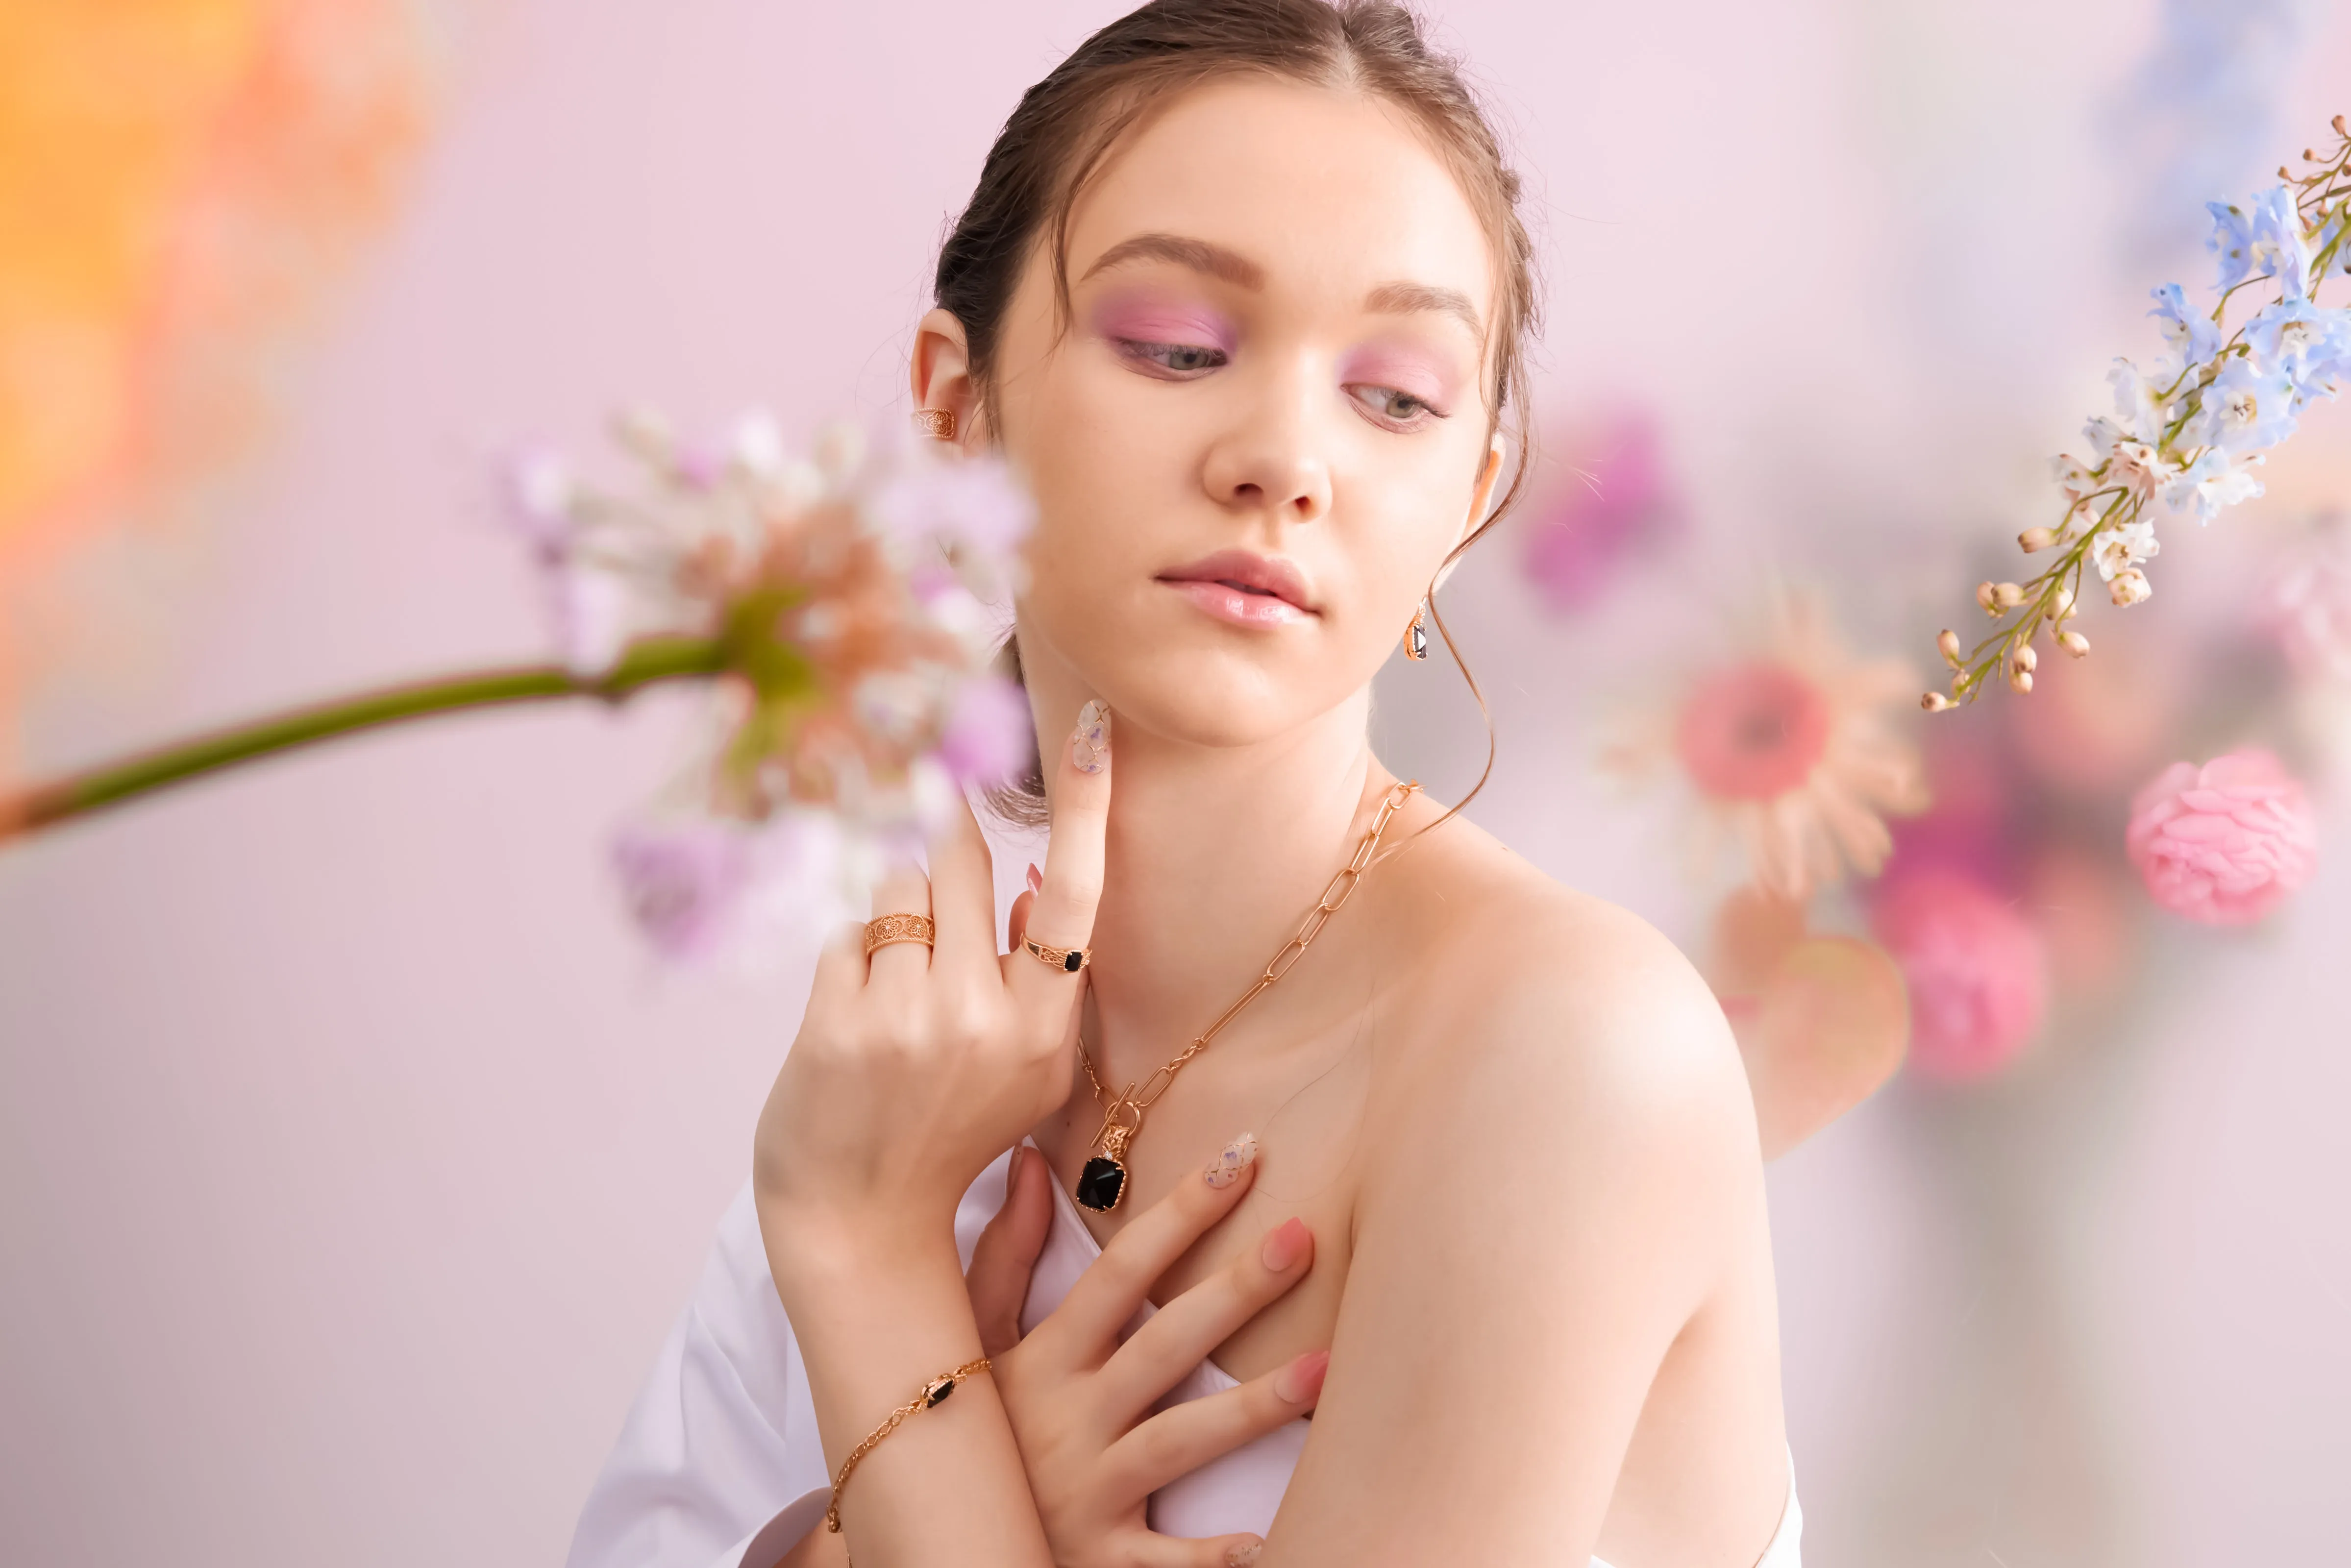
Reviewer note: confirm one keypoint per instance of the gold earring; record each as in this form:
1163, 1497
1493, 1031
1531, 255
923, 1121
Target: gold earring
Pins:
1415, 636
938, 423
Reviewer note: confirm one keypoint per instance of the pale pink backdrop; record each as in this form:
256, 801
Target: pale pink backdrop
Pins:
353, 1157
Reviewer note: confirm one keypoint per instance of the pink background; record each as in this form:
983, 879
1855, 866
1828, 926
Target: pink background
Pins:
354, 1158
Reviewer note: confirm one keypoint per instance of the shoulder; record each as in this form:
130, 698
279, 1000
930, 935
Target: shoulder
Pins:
1568, 1032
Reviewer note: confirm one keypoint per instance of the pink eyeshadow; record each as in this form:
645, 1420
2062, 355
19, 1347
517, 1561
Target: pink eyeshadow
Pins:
1406, 372
1158, 321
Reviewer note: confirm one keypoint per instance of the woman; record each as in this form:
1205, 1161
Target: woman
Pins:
1241, 294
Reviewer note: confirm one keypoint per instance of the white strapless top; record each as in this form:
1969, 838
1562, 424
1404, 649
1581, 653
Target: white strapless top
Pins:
719, 1464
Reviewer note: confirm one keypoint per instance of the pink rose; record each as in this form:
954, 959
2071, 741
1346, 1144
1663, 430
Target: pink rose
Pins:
2224, 843
1976, 967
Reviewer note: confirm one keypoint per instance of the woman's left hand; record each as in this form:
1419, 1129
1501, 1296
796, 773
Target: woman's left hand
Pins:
917, 1066
1078, 1396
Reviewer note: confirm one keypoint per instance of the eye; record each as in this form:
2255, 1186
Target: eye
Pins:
1400, 410
1175, 359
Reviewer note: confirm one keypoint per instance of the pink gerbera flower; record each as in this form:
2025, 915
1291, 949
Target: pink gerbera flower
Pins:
1791, 751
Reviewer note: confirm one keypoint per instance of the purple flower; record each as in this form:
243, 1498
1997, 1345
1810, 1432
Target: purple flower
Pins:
975, 502
1621, 501
685, 883
987, 739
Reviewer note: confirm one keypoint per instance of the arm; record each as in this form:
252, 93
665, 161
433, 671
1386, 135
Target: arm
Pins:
1557, 1192
913, 1068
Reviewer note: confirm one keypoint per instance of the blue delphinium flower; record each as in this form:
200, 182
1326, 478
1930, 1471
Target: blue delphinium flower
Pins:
2191, 334
2231, 240
2211, 483
2309, 344
2279, 250
2246, 409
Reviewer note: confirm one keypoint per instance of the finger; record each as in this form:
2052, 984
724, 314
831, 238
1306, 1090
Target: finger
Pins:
1107, 1294
963, 897
1063, 913
1181, 1335
1179, 1441
839, 971
1006, 1255
1147, 1549
904, 890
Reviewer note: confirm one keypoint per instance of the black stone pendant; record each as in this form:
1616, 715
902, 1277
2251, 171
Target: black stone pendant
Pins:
1102, 1183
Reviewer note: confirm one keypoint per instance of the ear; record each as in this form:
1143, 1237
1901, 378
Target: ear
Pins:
939, 373
1482, 495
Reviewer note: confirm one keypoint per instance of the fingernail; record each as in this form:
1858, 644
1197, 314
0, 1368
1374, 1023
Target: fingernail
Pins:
1035, 878
1241, 1554
1090, 744
1282, 1249
1302, 1379
1227, 1168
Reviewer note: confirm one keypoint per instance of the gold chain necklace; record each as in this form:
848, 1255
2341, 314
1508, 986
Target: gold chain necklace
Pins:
1103, 1181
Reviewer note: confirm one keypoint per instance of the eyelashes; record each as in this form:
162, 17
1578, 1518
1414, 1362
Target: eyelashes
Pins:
1180, 360
1390, 408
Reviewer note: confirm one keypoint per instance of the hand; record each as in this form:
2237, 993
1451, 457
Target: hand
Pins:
1074, 1394
917, 1066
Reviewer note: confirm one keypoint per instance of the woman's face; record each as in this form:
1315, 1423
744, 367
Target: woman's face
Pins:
1264, 427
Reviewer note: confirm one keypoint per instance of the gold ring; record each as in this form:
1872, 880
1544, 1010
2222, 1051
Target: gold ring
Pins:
891, 928
1069, 960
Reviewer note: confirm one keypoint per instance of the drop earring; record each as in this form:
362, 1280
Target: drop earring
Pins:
1415, 636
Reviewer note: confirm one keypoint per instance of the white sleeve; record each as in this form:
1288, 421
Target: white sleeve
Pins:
719, 1464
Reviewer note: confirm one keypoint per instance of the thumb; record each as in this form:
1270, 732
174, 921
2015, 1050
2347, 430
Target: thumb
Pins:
1006, 1254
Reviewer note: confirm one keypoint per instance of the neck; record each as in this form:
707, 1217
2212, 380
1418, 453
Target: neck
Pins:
1214, 855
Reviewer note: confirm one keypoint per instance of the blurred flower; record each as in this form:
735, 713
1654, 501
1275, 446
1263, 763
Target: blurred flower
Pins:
2231, 240
2308, 606
846, 597
1977, 971
987, 740
1791, 751
685, 883
2224, 843
1621, 499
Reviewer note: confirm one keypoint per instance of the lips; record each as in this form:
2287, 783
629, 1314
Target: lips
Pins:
1245, 589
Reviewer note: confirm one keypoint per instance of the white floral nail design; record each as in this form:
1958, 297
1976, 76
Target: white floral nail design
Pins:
1226, 1168
1089, 746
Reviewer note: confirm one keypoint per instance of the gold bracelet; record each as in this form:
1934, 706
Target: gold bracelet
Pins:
933, 1392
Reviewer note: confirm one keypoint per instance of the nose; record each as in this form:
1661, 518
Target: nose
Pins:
1273, 460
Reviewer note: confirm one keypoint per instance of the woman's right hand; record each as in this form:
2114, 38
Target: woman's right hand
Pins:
1077, 1396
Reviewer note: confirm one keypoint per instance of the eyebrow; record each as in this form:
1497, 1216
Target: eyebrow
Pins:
1231, 266
1197, 254
1403, 298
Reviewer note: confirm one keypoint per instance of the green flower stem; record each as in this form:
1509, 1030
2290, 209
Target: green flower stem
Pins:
647, 662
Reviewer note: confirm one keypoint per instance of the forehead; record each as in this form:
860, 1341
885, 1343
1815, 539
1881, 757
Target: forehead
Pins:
1328, 191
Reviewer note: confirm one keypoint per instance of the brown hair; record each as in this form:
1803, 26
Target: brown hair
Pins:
1067, 125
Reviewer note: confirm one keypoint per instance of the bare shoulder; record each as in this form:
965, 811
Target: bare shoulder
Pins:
1557, 1021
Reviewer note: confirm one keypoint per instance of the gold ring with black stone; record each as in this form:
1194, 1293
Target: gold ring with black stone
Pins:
1069, 960
891, 928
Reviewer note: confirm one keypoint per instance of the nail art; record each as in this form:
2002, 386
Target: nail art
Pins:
1090, 746
1035, 878
1243, 1554
1227, 1168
